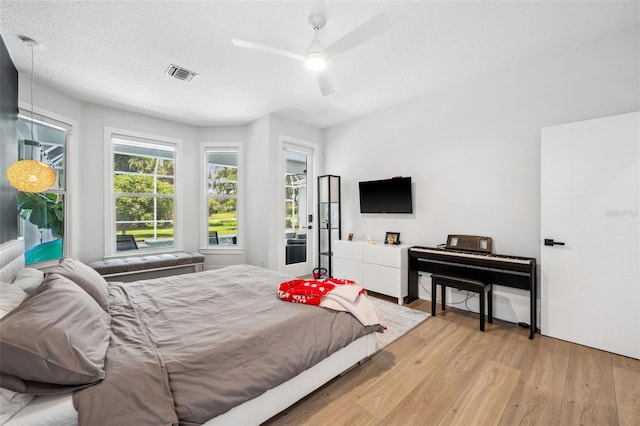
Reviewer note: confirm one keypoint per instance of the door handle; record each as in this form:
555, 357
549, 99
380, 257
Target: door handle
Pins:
550, 242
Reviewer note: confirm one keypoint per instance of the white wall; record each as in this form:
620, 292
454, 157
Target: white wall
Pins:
282, 129
219, 256
89, 190
474, 151
257, 184
92, 171
264, 183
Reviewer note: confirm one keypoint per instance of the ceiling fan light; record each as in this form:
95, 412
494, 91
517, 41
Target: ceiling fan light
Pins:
315, 58
315, 61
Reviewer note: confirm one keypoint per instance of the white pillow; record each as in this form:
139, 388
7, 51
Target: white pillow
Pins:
10, 298
11, 402
29, 279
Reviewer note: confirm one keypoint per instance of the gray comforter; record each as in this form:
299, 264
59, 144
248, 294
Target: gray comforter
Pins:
186, 349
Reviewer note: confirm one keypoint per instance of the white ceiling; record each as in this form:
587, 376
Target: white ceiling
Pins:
115, 53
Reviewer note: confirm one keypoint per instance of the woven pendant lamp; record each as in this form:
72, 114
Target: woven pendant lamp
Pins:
31, 175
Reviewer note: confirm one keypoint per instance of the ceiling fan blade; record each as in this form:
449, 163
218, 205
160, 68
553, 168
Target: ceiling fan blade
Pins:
374, 27
324, 82
269, 49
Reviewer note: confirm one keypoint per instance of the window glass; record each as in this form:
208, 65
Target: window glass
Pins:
144, 191
222, 196
295, 207
42, 215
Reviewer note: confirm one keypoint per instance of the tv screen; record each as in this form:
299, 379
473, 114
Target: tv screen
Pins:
386, 196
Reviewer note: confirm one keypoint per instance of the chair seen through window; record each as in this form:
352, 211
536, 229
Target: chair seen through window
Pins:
126, 242
213, 237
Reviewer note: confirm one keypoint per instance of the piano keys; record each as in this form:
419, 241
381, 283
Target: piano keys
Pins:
509, 271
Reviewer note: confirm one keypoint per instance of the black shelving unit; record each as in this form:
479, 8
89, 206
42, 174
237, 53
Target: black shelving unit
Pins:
329, 219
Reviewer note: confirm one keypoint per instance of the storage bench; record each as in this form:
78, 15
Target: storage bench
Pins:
120, 266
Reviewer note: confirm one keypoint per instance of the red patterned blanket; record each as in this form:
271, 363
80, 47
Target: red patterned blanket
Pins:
332, 293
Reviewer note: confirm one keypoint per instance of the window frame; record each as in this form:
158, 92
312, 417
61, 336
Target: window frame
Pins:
110, 228
205, 149
71, 207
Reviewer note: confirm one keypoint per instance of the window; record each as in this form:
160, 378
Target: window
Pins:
42, 215
222, 192
143, 194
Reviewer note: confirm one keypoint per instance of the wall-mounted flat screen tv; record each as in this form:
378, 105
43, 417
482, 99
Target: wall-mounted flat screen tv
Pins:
386, 196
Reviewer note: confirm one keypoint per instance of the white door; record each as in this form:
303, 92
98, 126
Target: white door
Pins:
297, 250
590, 184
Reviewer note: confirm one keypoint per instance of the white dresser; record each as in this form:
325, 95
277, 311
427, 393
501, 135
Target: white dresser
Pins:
376, 266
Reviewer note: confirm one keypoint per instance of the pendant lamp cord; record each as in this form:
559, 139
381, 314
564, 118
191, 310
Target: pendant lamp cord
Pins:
33, 76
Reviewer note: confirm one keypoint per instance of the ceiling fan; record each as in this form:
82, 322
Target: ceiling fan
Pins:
316, 56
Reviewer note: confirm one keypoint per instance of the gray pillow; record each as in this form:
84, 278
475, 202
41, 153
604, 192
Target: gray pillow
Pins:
86, 277
58, 336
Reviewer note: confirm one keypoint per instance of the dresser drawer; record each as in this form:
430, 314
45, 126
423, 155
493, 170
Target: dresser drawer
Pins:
381, 254
384, 280
349, 269
347, 250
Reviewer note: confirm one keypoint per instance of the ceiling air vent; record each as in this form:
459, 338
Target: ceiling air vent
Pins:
180, 73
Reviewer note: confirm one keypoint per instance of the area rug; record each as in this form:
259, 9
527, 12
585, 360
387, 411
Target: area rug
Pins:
399, 319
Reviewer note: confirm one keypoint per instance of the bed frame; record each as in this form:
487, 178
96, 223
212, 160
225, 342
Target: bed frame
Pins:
253, 412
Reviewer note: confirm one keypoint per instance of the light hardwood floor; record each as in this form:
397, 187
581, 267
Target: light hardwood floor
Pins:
447, 372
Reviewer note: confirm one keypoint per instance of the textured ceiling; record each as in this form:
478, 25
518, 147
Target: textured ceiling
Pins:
115, 53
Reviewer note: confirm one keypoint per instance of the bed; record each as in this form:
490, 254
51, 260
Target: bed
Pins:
248, 376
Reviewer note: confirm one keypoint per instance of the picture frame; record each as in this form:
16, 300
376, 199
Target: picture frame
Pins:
350, 238
392, 238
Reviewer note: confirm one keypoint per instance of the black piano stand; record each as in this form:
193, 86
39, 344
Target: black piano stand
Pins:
483, 289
